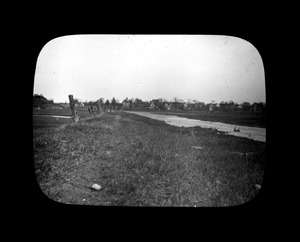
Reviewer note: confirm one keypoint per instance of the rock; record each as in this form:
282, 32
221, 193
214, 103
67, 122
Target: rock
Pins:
236, 129
257, 186
96, 187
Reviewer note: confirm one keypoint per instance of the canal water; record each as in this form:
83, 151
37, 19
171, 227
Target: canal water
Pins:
254, 133
53, 116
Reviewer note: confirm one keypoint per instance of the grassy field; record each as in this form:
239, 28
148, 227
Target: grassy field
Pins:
239, 118
42, 120
82, 111
143, 162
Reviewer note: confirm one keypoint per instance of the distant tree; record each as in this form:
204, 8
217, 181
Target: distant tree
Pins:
107, 103
199, 105
160, 105
138, 103
131, 103
264, 107
223, 106
206, 107
40, 101
231, 105
258, 107
176, 103
246, 106
113, 103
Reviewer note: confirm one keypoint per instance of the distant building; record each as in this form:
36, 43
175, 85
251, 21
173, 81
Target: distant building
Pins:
239, 107
64, 105
191, 106
167, 106
79, 104
126, 104
152, 105
199, 105
257, 107
212, 107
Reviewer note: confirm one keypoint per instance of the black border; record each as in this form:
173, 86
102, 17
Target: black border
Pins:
36, 202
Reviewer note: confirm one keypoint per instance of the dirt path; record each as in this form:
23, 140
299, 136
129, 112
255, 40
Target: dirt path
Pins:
254, 133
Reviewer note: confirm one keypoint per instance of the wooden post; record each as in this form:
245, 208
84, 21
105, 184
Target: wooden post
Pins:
92, 111
99, 108
75, 116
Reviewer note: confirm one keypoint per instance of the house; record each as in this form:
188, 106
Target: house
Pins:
199, 105
64, 105
257, 107
152, 105
79, 104
212, 107
118, 106
190, 106
155, 104
126, 104
167, 105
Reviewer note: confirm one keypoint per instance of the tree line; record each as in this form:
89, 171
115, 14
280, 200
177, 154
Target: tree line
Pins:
179, 104
163, 104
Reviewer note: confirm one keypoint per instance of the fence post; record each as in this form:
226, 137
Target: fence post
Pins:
75, 116
99, 108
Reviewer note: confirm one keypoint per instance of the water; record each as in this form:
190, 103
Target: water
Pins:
254, 133
53, 116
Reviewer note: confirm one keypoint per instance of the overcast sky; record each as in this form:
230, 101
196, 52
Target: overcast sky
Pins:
201, 67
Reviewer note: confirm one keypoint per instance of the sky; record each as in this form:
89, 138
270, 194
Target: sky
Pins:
189, 67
